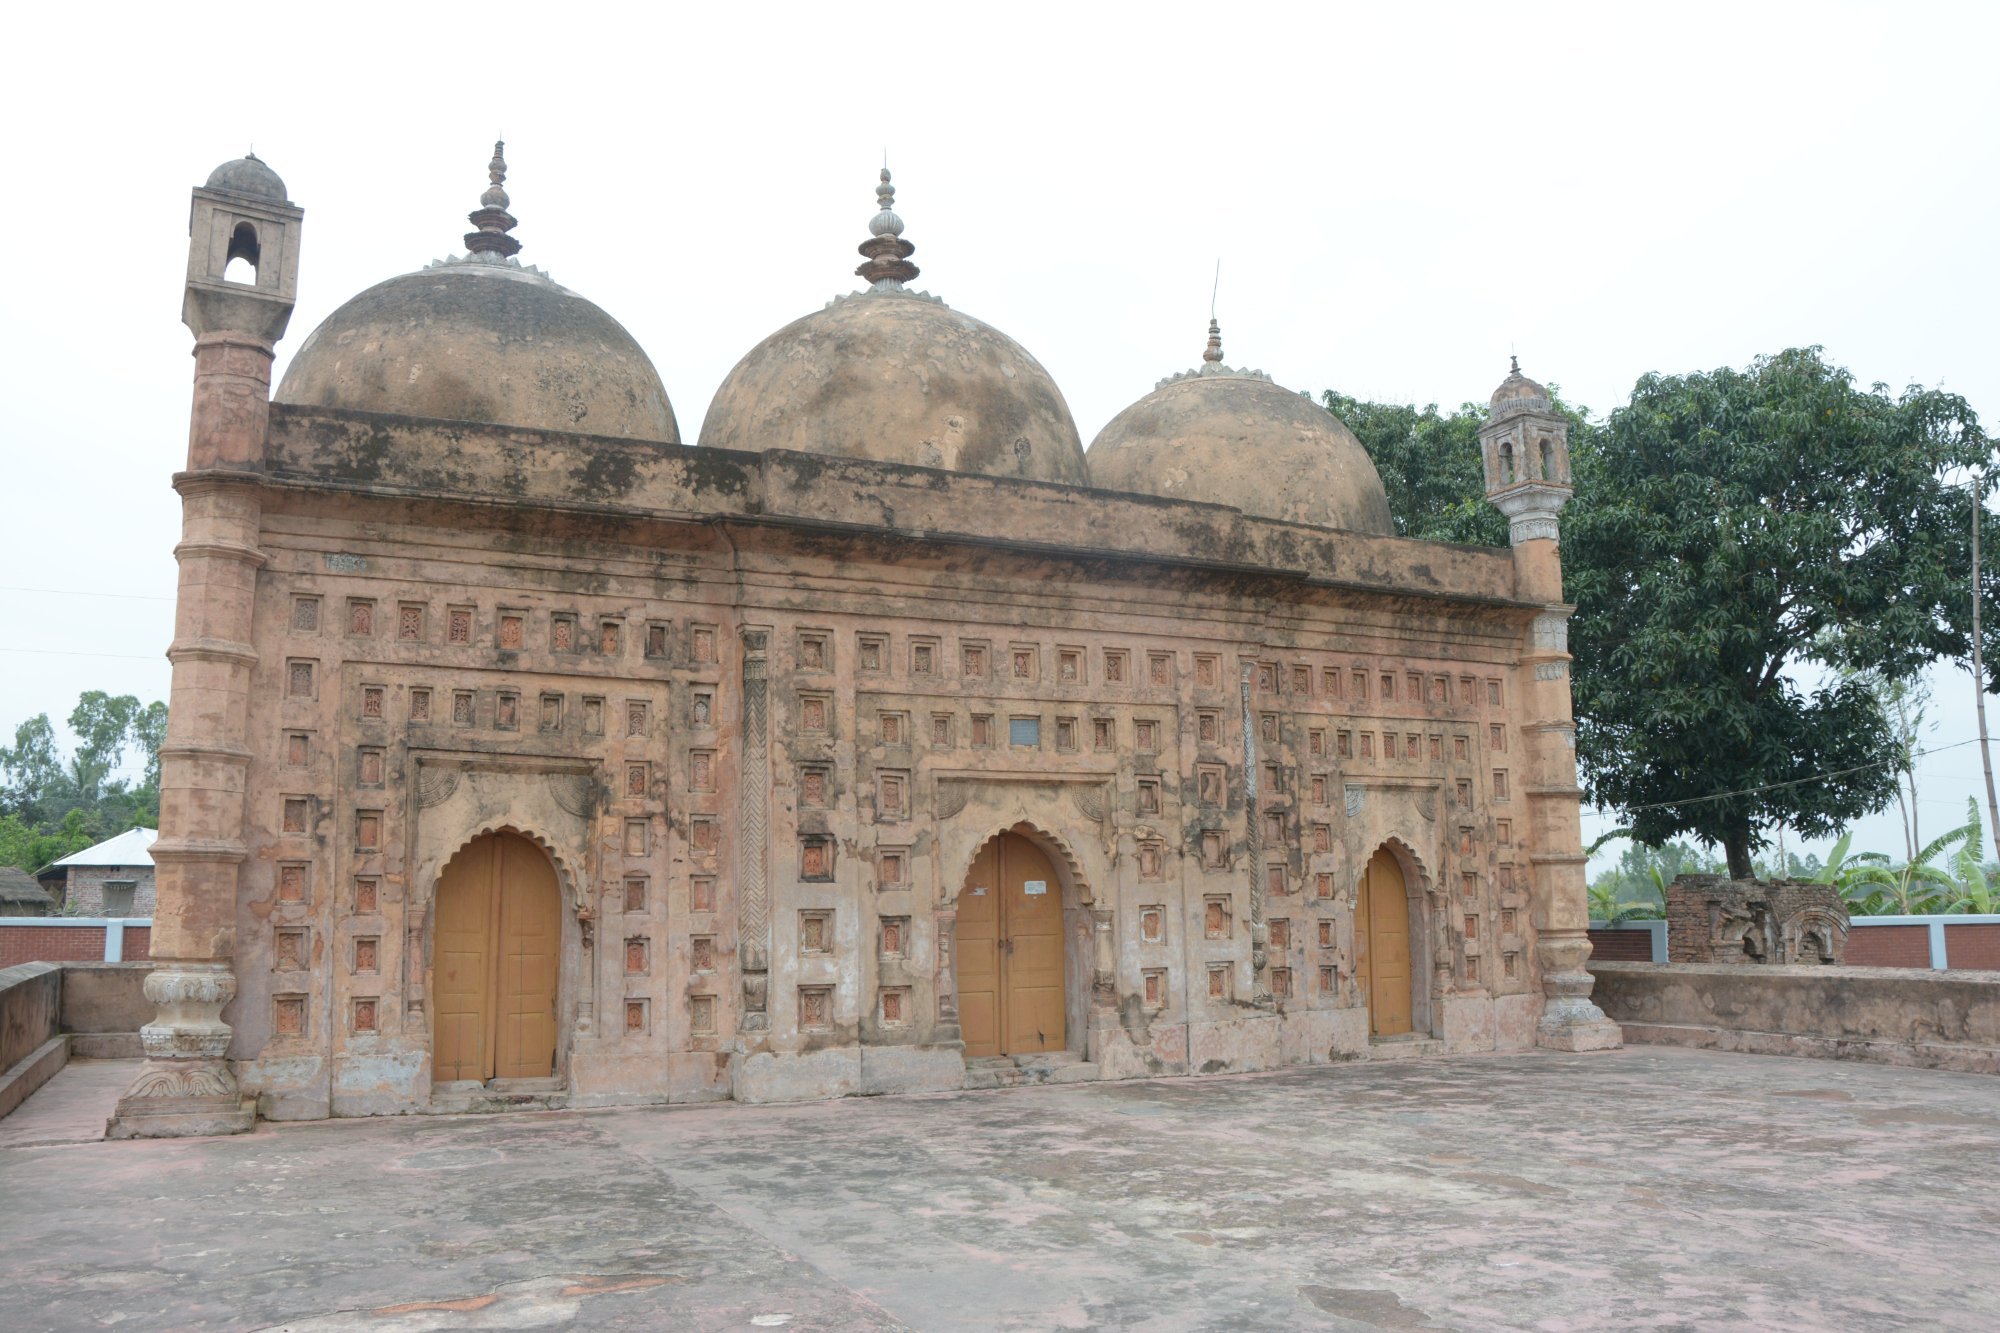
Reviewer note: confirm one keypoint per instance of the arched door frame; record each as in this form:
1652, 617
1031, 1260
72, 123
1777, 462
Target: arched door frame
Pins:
1081, 923
570, 950
1425, 917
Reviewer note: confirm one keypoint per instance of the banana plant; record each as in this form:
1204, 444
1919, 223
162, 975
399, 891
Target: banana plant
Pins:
1873, 886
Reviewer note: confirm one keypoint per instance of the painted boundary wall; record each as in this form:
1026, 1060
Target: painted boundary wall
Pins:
1628, 942
1953, 943
1888, 1015
75, 939
1943, 943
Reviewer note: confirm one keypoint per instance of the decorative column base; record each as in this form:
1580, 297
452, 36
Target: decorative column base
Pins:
186, 1087
1570, 1022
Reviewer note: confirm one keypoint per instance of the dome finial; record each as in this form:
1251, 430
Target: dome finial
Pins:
492, 217
888, 254
1213, 352
1514, 366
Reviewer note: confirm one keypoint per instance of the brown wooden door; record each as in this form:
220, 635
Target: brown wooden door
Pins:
499, 939
1010, 952
1382, 939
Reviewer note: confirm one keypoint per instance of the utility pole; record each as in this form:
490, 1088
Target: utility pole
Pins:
1979, 667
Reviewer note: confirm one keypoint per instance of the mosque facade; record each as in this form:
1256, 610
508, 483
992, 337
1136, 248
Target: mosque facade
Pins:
522, 753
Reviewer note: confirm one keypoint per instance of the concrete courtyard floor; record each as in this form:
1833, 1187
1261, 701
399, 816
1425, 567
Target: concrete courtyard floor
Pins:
1648, 1187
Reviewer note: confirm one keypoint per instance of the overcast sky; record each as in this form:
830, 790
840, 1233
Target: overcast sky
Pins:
1399, 195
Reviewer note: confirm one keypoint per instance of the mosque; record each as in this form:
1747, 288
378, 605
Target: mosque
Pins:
882, 740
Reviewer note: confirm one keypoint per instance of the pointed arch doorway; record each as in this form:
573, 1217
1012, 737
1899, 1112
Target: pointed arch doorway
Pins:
497, 957
1011, 968
1382, 945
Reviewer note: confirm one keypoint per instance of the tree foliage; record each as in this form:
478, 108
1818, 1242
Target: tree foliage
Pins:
1431, 468
1734, 535
1736, 526
51, 806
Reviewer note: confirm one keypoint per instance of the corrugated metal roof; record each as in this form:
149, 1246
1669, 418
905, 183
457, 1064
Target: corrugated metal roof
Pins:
130, 848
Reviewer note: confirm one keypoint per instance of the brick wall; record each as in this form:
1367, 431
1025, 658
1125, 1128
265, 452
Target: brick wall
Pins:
1889, 946
51, 944
35, 942
1974, 946
1621, 946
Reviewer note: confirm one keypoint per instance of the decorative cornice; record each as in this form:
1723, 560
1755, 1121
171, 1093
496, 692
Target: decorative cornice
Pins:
212, 650
198, 849
239, 552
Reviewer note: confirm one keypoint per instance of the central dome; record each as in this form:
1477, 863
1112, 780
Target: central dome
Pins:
899, 377
483, 339
1232, 437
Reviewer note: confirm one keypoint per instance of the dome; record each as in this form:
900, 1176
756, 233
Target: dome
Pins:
482, 340
486, 339
899, 377
1519, 392
1232, 437
248, 175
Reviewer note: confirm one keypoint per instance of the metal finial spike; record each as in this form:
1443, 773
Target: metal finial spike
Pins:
1213, 352
492, 217
888, 254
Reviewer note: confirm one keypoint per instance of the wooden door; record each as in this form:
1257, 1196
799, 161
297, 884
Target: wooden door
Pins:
1010, 952
499, 939
978, 955
1382, 939
463, 975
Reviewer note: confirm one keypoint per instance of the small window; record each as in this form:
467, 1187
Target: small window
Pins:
1024, 731
118, 895
872, 651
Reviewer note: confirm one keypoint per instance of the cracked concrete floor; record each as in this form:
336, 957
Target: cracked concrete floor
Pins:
1649, 1187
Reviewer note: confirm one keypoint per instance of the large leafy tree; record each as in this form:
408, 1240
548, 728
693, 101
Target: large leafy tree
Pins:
1733, 533
1739, 534
1430, 464
1430, 467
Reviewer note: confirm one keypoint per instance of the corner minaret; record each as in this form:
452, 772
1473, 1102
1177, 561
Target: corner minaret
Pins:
243, 245
1526, 445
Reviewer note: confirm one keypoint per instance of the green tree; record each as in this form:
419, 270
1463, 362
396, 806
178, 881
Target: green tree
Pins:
30, 847
1734, 527
149, 733
1430, 464
1638, 883
103, 726
1430, 467
51, 806
35, 780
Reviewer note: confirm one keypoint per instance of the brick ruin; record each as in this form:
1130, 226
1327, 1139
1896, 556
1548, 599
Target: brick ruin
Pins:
1714, 919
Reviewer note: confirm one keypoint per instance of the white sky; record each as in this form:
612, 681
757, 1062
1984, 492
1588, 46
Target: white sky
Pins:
1399, 194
